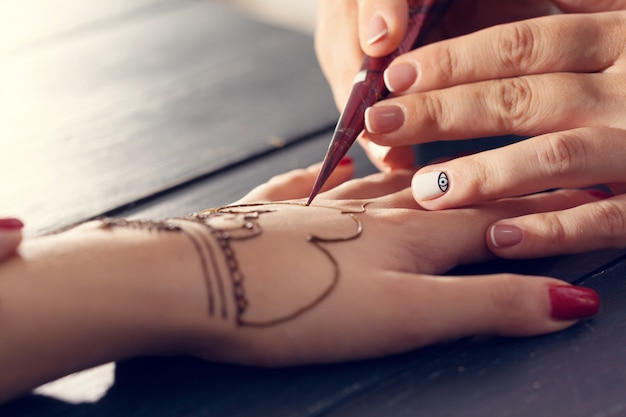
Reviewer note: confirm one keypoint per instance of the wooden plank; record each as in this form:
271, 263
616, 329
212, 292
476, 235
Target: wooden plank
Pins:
158, 100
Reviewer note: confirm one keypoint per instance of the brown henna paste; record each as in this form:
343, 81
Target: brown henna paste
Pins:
245, 225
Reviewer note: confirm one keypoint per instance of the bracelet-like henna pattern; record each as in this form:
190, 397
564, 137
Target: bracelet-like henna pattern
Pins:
245, 219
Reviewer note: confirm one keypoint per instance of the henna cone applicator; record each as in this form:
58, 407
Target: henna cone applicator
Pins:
369, 86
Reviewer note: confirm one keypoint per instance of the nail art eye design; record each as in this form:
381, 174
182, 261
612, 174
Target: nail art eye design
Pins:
429, 185
442, 181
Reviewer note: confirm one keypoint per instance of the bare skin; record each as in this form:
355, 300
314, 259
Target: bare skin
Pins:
317, 282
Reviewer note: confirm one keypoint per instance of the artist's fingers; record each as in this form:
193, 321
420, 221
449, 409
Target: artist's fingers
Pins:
298, 183
570, 159
10, 236
382, 25
535, 46
525, 106
595, 225
525, 82
426, 310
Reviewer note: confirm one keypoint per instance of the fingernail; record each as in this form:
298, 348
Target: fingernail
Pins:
400, 77
378, 151
11, 223
570, 302
429, 185
504, 235
376, 30
383, 119
346, 160
600, 194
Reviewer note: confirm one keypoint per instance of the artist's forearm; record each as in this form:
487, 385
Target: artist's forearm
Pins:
87, 297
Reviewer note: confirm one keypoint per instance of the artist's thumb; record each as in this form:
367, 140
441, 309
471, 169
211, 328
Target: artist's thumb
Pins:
382, 25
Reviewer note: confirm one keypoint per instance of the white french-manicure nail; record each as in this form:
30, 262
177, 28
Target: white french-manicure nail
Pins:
378, 151
376, 30
429, 185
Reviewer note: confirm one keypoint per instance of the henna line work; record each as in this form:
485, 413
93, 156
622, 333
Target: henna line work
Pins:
218, 276
167, 226
223, 238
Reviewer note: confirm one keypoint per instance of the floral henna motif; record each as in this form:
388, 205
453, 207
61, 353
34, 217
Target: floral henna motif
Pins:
227, 225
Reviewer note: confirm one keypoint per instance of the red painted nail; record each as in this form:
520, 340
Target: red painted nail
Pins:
569, 302
601, 194
11, 223
346, 160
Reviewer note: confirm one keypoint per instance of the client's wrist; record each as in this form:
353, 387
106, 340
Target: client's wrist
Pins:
158, 280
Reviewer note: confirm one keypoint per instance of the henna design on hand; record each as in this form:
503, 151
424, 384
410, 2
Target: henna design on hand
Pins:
227, 225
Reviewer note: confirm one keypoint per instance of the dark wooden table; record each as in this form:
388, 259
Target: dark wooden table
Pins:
154, 108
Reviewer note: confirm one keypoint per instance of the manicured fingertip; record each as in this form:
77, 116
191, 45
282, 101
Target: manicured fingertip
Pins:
11, 224
505, 235
569, 302
345, 161
429, 185
10, 236
376, 30
401, 77
383, 119
382, 25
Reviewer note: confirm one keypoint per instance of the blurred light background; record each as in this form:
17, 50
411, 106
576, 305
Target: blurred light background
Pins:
24, 22
294, 14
